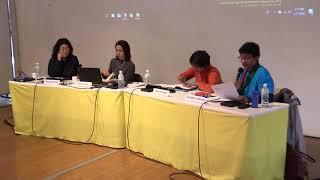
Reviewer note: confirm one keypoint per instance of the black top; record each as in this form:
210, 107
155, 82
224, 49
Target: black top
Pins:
127, 68
66, 68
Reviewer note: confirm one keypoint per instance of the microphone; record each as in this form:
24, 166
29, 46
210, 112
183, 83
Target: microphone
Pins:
240, 70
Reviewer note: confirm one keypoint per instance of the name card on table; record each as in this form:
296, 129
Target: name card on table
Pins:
51, 82
83, 84
161, 92
200, 99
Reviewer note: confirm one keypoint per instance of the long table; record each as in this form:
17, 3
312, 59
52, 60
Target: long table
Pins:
69, 113
234, 144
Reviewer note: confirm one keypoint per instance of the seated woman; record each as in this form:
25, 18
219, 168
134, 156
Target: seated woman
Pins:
63, 63
253, 75
205, 74
122, 62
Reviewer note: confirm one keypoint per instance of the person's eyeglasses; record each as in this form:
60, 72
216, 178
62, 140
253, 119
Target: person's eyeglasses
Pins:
244, 58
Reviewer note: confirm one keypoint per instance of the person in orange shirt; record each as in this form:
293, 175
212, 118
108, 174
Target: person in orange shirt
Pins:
205, 74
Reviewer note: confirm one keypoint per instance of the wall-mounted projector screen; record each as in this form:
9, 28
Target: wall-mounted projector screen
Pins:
163, 35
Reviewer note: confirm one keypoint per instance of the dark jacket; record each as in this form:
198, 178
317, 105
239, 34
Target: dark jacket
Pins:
127, 68
295, 135
67, 68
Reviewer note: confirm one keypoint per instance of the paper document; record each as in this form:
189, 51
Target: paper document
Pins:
226, 91
185, 87
135, 84
110, 76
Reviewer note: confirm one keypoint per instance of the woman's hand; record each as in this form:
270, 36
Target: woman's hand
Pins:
189, 85
184, 82
243, 99
105, 73
181, 79
61, 56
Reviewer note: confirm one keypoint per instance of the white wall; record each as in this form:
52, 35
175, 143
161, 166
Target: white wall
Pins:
5, 67
34, 33
169, 32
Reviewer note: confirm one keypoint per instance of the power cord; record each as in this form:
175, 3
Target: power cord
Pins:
94, 113
69, 142
128, 119
171, 176
199, 159
198, 144
144, 157
32, 115
8, 122
94, 122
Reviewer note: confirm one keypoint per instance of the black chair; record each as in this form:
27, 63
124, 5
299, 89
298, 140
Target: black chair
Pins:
137, 78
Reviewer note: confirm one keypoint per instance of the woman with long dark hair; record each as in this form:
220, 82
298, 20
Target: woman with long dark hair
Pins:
63, 63
122, 62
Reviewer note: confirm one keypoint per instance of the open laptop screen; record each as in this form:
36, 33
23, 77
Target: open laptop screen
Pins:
90, 75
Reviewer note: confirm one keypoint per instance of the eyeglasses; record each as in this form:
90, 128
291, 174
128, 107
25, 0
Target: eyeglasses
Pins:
244, 58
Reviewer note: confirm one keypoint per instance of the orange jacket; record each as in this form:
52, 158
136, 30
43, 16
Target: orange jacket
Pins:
204, 79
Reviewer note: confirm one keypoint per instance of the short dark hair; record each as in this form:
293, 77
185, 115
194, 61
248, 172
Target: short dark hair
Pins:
126, 49
250, 48
200, 59
56, 47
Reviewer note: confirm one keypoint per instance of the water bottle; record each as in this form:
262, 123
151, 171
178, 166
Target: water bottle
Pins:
255, 99
265, 96
147, 77
121, 82
36, 70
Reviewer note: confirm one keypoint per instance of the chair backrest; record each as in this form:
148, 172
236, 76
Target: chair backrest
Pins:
137, 78
283, 96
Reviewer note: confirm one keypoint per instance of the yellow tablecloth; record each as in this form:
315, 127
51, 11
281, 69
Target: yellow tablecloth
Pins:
68, 113
231, 146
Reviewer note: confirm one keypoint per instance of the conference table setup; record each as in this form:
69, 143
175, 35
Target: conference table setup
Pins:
214, 141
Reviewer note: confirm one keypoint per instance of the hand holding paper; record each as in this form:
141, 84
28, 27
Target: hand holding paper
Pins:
226, 90
110, 76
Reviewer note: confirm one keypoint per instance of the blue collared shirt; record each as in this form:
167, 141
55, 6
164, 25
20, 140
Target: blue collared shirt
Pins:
261, 76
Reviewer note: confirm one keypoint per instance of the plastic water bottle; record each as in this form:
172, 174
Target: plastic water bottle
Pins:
121, 82
36, 70
147, 77
255, 99
265, 96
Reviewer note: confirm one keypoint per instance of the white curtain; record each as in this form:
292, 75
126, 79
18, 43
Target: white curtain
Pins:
5, 60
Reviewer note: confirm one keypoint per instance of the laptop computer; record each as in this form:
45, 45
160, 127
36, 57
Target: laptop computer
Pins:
90, 75
93, 75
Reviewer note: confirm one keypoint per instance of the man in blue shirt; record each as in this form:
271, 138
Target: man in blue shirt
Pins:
252, 76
